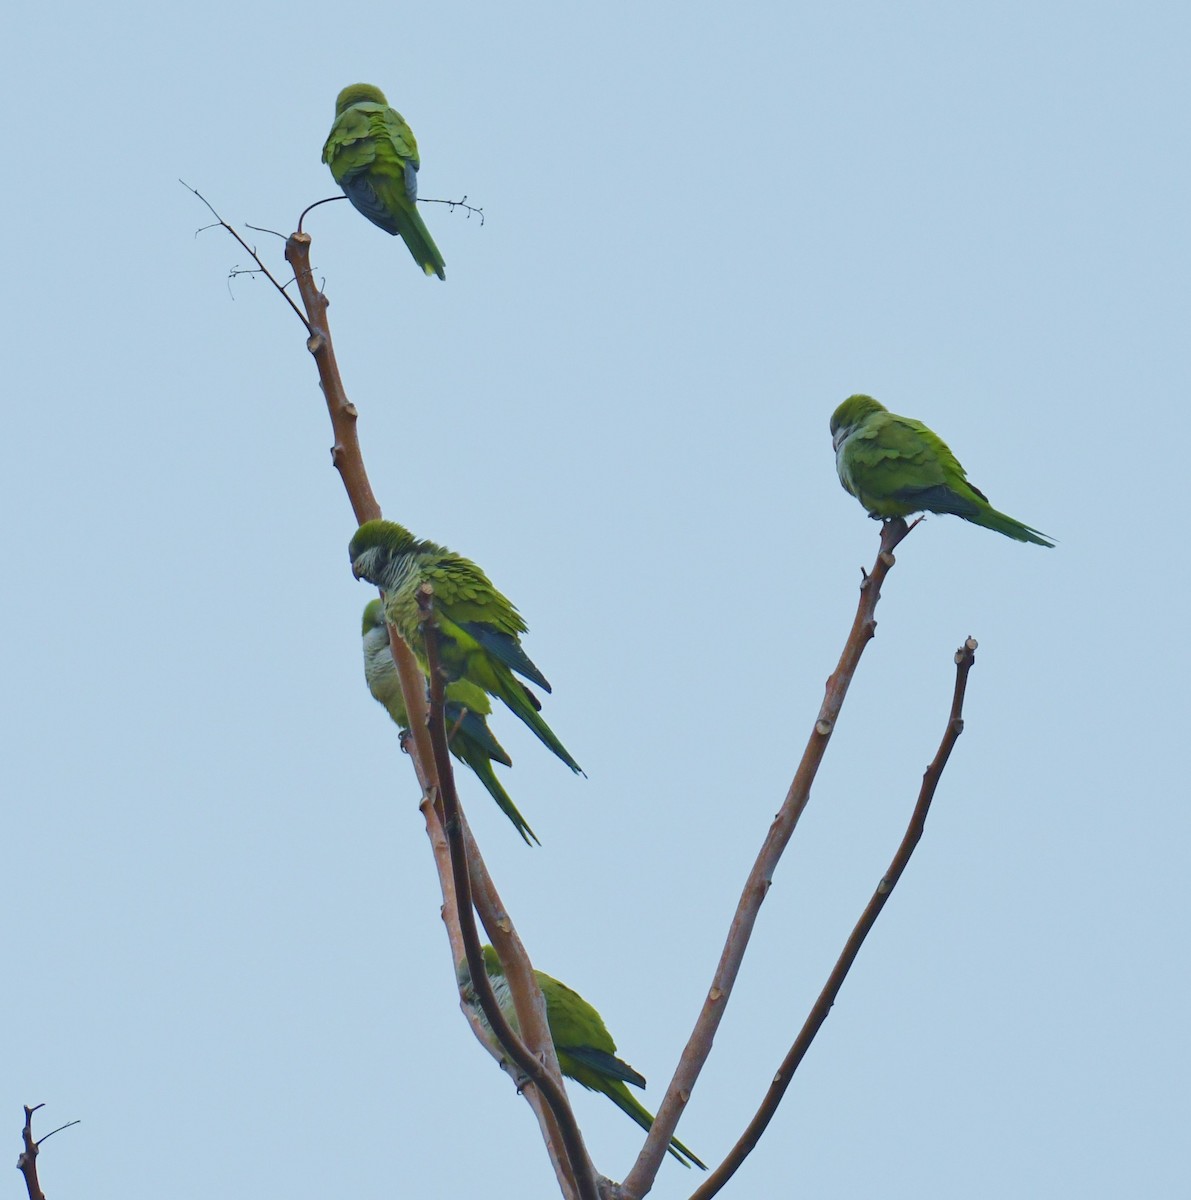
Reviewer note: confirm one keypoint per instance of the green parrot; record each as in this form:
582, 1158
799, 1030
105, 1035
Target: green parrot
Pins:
895, 466
373, 156
466, 709
478, 627
585, 1049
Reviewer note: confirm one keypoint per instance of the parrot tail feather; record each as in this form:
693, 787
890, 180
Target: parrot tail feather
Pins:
515, 696
421, 245
480, 763
990, 518
629, 1104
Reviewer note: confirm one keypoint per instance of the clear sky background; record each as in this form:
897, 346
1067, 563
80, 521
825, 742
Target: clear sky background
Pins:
706, 224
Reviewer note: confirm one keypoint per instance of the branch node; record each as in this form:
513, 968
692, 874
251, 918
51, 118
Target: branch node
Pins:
823, 727
316, 343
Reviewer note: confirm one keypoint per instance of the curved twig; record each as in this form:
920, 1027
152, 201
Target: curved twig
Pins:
312, 207
965, 656
640, 1178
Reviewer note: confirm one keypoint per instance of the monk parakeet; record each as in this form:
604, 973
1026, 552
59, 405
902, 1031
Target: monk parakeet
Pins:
466, 708
585, 1049
373, 156
895, 466
478, 627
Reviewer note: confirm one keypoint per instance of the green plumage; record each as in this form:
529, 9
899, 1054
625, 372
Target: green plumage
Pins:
895, 466
479, 629
585, 1049
373, 156
466, 710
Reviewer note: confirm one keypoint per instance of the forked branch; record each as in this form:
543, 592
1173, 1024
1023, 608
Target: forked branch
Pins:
27, 1159
965, 656
640, 1178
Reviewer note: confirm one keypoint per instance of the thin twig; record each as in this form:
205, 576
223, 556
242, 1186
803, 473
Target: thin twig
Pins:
454, 204
550, 1087
965, 656
640, 1178
311, 207
255, 257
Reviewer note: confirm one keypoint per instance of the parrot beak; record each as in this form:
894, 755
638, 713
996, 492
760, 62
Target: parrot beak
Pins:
355, 572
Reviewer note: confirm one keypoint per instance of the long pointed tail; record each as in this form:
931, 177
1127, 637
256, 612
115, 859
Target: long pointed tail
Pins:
475, 757
972, 505
990, 518
521, 701
628, 1103
421, 245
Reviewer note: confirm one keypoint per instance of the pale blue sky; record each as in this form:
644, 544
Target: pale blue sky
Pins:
706, 225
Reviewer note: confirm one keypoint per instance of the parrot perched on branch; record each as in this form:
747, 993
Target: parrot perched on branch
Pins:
466, 708
585, 1049
895, 466
479, 629
373, 156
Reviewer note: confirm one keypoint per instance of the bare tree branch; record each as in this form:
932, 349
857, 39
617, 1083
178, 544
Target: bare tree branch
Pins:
27, 1159
640, 1178
965, 656
347, 457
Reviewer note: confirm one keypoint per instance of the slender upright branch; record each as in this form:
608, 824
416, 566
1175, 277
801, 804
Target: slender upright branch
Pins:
345, 453
550, 1086
965, 656
527, 997
27, 1159
640, 1178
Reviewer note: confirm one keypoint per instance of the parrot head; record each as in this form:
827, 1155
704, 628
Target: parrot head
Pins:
374, 546
853, 411
358, 93
491, 966
374, 615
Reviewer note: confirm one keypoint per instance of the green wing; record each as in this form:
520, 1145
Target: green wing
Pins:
373, 156
587, 1054
480, 629
466, 711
